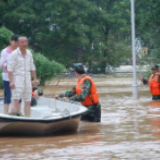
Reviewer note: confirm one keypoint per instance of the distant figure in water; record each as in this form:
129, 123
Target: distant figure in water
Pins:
20, 68
86, 93
153, 82
4, 63
36, 93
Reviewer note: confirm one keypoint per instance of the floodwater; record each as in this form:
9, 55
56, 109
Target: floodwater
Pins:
130, 130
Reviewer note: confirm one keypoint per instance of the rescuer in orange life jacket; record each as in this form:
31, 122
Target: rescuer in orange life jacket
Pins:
154, 83
36, 93
86, 93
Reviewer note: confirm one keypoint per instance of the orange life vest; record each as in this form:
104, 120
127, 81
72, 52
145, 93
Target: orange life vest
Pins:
154, 84
32, 93
92, 98
32, 90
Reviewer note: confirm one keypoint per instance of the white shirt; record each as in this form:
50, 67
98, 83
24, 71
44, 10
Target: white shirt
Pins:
20, 65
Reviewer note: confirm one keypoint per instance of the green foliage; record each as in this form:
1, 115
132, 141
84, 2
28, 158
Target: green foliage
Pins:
57, 67
90, 31
5, 35
97, 68
45, 68
69, 28
148, 73
147, 24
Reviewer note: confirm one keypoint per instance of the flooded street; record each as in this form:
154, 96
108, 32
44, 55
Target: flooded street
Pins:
130, 130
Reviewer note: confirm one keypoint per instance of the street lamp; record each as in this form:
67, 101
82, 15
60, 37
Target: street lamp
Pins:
135, 86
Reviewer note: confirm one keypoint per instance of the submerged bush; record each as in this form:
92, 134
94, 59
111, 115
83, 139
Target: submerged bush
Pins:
45, 68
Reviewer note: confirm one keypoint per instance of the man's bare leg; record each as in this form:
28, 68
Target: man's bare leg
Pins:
27, 109
15, 106
6, 107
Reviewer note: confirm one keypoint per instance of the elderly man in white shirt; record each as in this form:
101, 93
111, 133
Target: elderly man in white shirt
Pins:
20, 68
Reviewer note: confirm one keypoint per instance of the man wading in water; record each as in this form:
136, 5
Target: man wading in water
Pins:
84, 92
20, 68
153, 82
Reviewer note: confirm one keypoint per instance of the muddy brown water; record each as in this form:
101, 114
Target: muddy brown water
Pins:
129, 129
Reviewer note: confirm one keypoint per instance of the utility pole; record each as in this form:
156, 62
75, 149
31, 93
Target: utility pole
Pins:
135, 85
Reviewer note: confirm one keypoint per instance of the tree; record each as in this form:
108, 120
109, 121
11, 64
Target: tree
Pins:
72, 30
67, 27
5, 35
115, 45
147, 24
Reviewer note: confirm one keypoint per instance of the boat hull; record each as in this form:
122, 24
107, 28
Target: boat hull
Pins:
10, 127
50, 116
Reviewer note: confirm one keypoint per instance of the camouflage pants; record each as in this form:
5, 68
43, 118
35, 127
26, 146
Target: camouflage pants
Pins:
156, 97
33, 101
93, 114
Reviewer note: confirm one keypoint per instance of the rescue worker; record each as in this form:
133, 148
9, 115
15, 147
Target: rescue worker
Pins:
36, 92
84, 92
153, 82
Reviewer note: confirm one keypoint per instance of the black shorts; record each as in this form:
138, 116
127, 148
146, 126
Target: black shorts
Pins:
156, 97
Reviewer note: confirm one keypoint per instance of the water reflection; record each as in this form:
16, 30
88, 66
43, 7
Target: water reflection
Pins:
129, 129
154, 112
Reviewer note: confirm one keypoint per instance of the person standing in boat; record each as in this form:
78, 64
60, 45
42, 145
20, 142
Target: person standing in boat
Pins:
84, 92
4, 62
153, 82
20, 68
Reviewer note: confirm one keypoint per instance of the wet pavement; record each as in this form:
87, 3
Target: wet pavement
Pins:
130, 130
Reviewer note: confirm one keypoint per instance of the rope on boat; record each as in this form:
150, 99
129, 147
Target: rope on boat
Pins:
63, 113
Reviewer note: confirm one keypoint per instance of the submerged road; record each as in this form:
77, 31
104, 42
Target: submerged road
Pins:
130, 130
